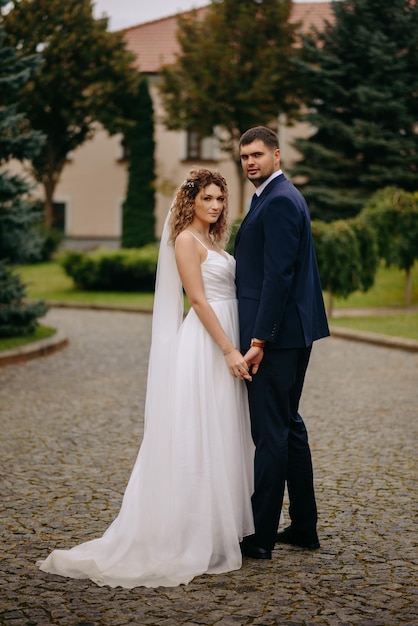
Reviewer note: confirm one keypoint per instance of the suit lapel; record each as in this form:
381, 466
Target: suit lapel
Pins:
257, 203
254, 204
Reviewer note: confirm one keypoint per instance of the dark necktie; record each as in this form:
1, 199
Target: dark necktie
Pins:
253, 201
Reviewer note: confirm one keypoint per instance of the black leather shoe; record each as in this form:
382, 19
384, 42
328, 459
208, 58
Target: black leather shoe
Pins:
252, 551
289, 536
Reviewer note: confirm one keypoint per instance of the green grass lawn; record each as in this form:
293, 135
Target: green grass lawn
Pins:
387, 291
49, 281
405, 325
41, 332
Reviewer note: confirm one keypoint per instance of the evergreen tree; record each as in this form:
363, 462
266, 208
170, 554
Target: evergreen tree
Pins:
18, 238
138, 227
361, 92
234, 71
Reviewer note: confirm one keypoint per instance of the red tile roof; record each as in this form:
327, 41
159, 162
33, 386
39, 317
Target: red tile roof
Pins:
155, 43
312, 14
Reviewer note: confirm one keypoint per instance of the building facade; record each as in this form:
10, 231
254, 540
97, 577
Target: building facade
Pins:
90, 194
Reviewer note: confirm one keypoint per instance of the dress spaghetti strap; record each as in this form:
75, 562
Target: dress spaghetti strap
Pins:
197, 239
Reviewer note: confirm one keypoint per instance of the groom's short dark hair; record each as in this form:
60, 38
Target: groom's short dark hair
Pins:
260, 132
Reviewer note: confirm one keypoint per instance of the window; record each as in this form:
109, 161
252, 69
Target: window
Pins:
123, 153
196, 148
59, 210
193, 146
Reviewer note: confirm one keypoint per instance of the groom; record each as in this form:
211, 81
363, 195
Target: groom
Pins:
281, 313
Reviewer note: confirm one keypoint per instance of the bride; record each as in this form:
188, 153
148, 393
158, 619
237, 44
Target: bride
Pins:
187, 505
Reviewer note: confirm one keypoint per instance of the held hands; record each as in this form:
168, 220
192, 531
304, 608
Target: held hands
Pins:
237, 365
253, 358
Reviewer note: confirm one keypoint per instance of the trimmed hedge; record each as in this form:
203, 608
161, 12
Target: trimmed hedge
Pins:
107, 270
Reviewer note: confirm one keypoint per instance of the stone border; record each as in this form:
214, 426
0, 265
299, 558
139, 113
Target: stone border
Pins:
377, 339
33, 350
98, 307
58, 341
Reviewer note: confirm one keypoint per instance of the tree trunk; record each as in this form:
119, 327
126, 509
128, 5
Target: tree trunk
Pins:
49, 188
329, 303
47, 171
241, 187
408, 287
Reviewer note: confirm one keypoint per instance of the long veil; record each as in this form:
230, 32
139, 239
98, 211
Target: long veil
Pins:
167, 317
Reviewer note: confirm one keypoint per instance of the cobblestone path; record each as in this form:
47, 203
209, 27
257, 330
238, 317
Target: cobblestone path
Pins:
70, 431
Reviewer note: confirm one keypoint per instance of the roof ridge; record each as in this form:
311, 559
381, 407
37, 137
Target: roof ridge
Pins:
166, 17
154, 43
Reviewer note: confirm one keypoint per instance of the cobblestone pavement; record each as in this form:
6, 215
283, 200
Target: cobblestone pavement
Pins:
70, 430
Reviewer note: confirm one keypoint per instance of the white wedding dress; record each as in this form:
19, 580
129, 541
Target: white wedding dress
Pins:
187, 504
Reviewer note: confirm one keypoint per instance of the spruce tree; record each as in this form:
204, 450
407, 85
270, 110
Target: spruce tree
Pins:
361, 92
138, 224
19, 241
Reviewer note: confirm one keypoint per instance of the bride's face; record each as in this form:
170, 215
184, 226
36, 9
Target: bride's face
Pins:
209, 204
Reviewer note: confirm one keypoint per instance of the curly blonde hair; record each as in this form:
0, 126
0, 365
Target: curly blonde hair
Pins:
182, 210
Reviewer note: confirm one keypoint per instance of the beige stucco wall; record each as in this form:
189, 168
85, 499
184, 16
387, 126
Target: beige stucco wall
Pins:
93, 186
171, 170
93, 183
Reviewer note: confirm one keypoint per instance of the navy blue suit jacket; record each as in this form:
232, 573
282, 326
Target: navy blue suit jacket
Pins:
278, 287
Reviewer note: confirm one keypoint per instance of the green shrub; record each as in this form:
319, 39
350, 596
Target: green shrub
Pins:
46, 241
346, 251
107, 270
338, 254
17, 317
234, 230
52, 240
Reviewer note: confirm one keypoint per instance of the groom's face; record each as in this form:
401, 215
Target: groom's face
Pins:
259, 161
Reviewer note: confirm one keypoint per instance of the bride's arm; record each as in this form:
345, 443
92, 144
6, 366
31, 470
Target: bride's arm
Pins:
189, 256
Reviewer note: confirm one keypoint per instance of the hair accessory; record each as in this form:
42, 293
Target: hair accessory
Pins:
190, 184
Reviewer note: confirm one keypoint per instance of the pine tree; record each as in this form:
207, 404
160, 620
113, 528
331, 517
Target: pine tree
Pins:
361, 91
18, 238
138, 226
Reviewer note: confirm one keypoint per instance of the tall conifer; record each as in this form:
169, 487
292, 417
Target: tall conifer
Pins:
138, 224
18, 238
361, 90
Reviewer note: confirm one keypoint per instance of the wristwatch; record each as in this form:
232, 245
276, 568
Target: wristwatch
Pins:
257, 343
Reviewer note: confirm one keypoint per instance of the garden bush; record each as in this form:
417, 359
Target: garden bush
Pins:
52, 240
346, 251
107, 270
235, 226
17, 317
